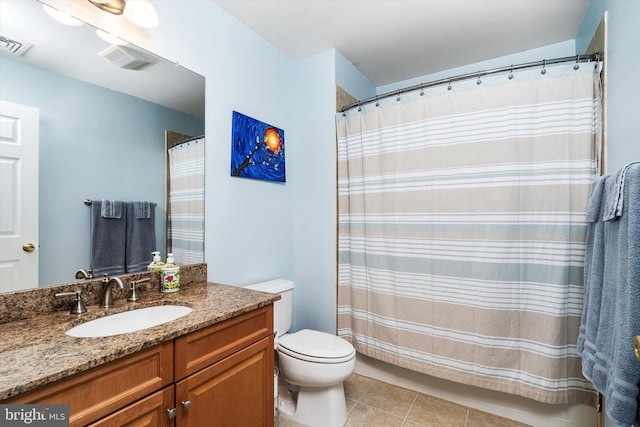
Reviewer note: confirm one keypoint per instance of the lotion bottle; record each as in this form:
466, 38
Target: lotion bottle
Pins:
170, 276
156, 264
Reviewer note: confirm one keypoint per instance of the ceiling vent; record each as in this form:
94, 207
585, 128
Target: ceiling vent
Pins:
13, 47
125, 58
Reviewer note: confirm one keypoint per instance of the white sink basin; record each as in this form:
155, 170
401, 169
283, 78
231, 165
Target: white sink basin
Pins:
129, 321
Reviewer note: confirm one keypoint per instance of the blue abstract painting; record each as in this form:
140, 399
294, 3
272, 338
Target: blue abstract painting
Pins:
257, 149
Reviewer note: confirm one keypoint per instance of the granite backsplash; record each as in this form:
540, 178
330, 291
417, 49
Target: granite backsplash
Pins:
24, 304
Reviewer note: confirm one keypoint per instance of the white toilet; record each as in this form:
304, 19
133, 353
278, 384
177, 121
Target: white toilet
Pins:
314, 364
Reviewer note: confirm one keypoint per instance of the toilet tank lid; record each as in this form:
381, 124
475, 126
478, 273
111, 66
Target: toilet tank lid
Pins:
275, 286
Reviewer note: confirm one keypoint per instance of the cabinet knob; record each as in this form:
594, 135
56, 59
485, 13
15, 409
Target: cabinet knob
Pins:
171, 413
186, 405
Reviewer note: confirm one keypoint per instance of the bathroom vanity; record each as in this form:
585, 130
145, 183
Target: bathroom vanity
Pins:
212, 367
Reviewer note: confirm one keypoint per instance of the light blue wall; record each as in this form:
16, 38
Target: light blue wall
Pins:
348, 76
315, 194
257, 230
623, 86
94, 143
249, 228
249, 223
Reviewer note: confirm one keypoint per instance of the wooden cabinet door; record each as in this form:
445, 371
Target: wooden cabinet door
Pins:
148, 412
235, 392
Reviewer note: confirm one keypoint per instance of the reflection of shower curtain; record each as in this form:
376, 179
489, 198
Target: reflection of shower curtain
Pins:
185, 229
462, 230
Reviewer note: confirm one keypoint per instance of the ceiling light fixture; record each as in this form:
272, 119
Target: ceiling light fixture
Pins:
138, 12
141, 13
63, 18
112, 6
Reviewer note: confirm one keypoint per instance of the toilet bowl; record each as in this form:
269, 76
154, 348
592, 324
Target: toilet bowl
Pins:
316, 363
313, 366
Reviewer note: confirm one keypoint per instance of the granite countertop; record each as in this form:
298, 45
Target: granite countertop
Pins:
36, 351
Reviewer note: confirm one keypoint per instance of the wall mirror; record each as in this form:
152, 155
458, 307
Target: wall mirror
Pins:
102, 124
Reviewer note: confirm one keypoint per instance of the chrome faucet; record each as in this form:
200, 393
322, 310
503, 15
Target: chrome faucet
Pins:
107, 298
84, 274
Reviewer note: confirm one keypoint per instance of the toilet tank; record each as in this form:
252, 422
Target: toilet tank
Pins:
283, 308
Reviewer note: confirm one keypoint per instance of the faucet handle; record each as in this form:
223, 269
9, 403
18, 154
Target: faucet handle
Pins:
78, 306
134, 293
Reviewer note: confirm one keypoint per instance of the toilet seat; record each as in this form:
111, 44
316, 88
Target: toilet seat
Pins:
316, 346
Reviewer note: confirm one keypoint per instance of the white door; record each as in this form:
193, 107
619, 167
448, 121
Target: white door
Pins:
19, 137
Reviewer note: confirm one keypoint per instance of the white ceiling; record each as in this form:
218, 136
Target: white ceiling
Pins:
394, 40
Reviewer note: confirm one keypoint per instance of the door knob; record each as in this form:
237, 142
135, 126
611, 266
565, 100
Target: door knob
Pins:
171, 413
28, 247
636, 347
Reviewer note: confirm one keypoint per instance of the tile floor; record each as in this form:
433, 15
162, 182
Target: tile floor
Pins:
372, 403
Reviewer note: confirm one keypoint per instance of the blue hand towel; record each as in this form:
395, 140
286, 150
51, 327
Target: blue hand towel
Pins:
141, 235
612, 295
111, 209
142, 210
108, 235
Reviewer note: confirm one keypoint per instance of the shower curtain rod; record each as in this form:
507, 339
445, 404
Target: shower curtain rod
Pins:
193, 138
477, 74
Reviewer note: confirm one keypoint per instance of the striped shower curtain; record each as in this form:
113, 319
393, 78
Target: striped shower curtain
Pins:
462, 229
185, 229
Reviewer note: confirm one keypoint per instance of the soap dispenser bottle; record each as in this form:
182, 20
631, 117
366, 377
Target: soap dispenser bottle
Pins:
170, 276
156, 264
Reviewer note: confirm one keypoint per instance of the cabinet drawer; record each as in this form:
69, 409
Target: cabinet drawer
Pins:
106, 388
202, 348
148, 412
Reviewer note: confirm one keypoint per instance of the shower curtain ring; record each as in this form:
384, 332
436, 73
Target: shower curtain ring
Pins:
575, 67
421, 91
478, 82
544, 64
377, 103
398, 97
511, 72
449, 87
